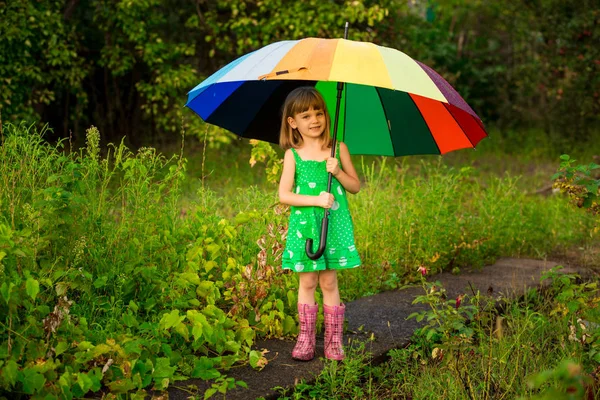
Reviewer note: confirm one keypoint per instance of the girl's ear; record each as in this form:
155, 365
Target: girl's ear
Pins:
292, 122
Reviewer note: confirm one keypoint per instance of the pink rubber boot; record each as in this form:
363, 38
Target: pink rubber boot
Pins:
305, 346
334, 328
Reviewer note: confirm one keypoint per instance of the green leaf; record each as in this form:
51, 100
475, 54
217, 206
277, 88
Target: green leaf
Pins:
204, 369
190, 277
209, 265
100, 282
565, 157
130, 320
5, 290
209, 393
289, 325
171, 319
60, 348
257, 360
84, 382
291, 297
197, 330
183, 330
32, 287
133, 306
32, 381
163, 369
592, 188
9, 373
430, 333
121, 386
85, 345
208, 374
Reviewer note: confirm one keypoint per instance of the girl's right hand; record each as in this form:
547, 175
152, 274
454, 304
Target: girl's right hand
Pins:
324, 200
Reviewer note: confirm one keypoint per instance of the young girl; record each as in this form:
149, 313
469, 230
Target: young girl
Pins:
305, 137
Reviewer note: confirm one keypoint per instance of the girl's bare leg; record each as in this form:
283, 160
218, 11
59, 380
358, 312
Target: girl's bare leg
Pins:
307, 287
329, 286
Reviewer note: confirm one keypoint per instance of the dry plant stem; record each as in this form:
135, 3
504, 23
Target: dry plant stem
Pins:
9, 344
516, 369
488, 373
182, 141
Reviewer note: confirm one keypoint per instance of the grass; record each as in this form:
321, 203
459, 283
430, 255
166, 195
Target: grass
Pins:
528, 348
178, 255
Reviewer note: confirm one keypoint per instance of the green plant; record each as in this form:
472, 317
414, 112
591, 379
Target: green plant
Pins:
103, 283
579, 182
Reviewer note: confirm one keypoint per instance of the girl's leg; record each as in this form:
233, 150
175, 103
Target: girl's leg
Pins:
329, 286
334, 315
307, 287
307, 315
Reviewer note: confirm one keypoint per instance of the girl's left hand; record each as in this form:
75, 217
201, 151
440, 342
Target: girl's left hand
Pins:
333, 166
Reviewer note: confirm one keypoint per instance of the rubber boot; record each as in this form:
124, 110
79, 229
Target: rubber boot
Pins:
305, 346
334, 328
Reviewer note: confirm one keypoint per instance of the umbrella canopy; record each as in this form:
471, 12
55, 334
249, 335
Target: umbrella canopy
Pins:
392, 105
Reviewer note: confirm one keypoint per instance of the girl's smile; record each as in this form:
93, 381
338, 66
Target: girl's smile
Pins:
309, 123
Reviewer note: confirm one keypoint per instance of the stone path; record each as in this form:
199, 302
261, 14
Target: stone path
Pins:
384, 316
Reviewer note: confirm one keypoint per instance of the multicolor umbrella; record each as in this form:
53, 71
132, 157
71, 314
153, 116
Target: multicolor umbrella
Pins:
392, 105
385, 102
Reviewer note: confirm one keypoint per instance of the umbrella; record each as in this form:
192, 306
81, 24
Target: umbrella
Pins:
386, 102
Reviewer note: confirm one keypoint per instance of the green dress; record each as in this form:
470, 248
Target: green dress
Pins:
305, 222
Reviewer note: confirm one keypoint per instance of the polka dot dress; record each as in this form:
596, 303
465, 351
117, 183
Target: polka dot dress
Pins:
305, 223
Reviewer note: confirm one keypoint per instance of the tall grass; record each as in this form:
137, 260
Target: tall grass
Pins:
109, 254
543, 346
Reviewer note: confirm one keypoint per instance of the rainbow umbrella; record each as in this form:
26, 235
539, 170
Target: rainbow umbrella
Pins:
391, 105
385, 102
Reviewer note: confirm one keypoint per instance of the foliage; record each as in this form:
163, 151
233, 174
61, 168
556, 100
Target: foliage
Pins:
110, 280
580, 184
351, 379
542, 346
39, 60
105, 285
127, 65
519, 64
263, 152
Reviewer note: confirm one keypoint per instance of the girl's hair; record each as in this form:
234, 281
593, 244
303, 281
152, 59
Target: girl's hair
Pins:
298, 101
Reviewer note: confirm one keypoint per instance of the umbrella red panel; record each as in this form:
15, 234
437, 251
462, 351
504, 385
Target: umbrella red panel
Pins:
469, 124
445, 130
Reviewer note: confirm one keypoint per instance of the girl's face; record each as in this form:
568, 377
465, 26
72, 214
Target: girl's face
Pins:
310, 123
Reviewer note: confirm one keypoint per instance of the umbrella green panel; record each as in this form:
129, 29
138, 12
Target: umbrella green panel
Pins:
410, 135
367, 129
329, 92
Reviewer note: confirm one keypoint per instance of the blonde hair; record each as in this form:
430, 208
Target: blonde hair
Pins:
298, 101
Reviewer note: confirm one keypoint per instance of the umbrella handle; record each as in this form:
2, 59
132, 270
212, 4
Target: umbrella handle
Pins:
322, 241
325, 221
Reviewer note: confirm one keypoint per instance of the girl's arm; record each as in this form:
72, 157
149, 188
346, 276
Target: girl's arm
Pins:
346, 175
286, 187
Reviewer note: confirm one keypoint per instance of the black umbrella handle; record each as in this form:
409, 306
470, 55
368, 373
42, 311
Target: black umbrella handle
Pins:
325, 221
322, 242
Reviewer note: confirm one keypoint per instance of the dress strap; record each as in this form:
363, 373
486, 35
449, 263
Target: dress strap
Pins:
296, 156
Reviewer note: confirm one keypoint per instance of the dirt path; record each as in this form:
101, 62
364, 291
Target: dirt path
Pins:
384, 316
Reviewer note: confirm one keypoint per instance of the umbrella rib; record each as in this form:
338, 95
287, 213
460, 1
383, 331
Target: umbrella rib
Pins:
458, 123
425, 121
386, 119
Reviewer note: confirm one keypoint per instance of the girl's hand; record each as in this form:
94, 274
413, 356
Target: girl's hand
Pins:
324, 200
333, 166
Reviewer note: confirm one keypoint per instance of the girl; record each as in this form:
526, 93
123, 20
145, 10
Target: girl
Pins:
305, 137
